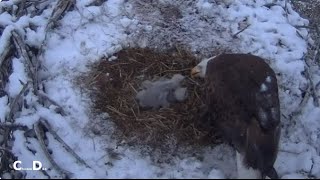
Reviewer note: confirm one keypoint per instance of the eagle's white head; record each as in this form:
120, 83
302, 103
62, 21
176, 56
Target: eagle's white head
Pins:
200, 69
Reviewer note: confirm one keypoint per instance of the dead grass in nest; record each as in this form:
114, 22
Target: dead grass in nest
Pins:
113, 86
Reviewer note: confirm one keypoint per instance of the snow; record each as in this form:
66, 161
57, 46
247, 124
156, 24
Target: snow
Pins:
17, 75
245, 172
216, 174
294, 176
5, 38
263, 87
268, 79
89, 33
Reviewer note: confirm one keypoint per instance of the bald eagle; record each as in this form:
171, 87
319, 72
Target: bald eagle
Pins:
242, 102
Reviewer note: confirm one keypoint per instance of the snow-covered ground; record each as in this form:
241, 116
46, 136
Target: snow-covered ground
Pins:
88, 33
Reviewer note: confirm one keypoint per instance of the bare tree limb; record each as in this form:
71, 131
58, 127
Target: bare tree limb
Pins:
235, 35
18, 9
269, 5
313, 90
317, 51
22, 48
303, 102
40, 134
45, 97
304, 26
59, 139
13, 126
38, 5
21, 8
61, 7
15, 102
5, 53
5, 66
32, 66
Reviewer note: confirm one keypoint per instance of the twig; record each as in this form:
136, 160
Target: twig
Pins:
316, 52
317, 85
174, 70
313, 88
290, 152
193, 81
13, 126
269, 5
93, 80
303, 102
119, 64
5, 53
163, 65
5, 65
134, 113
235, 35
23, 51
21, 8
197, 95
36, 64
116, 111
45, 173
300, 35
61, 7
15, 102
311, 168
45, 123
147, 68
286, 8
303, 26
44, 96
133, 88
134, 60
5, 150
40, 134
38, 5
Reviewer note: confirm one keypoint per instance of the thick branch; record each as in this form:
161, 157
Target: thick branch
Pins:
40, 134
15, 102
65, 145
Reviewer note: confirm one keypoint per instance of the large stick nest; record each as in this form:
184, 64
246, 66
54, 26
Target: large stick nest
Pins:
114, 85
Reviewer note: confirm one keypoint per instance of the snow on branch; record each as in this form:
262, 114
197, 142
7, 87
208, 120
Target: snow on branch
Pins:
14, 103
45, 123
17, 46
61, 7
38, 128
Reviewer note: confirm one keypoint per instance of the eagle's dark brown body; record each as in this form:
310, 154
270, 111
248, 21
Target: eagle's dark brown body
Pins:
242, 101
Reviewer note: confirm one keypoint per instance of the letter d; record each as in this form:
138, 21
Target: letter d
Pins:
34, 165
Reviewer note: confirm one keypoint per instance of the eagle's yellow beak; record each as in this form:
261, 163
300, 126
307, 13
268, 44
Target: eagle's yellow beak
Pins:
195, 72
